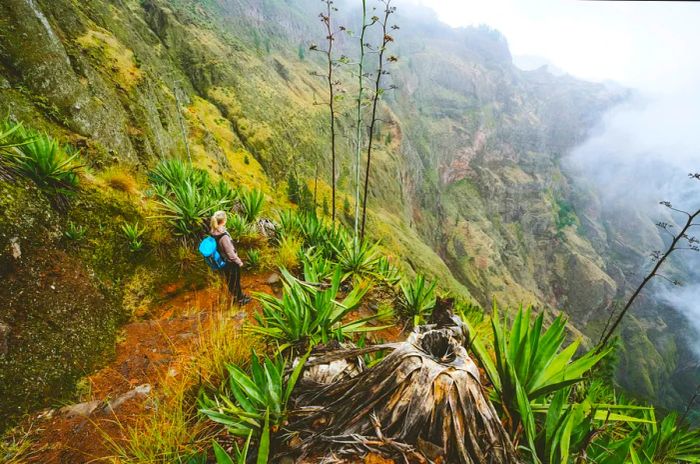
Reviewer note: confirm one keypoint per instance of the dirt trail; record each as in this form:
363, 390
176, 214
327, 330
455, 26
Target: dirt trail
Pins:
149, 351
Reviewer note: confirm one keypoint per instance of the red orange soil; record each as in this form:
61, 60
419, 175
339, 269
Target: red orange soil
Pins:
149, 351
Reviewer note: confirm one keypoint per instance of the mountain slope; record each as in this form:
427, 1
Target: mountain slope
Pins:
467, 185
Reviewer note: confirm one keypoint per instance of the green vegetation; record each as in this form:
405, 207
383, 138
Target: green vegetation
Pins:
307, 314
252, 202
255, 402
253, 259
266, 123
187, 197
418, 299
40, 157
74, 232
530, 365
357, 257
134, 234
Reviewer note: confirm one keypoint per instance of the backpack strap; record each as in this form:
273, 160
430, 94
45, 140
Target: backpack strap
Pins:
218, 241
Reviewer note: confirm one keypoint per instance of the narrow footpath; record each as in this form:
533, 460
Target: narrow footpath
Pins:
146, 353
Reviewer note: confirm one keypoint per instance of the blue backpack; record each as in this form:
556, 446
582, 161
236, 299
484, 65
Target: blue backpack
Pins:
209, 248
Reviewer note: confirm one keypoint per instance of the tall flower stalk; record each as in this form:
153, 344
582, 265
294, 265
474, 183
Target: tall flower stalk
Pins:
378, 90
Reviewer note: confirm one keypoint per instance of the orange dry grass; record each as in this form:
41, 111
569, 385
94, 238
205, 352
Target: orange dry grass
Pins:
121, 179
174, 430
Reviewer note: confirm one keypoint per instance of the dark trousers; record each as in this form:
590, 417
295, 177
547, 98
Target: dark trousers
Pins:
232, 274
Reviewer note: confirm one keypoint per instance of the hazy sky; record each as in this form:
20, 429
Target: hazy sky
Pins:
635, 43
642, 151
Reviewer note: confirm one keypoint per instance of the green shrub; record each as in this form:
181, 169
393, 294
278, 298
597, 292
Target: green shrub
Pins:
307, 313
133, 234
238, 227
356, 258
386, 271
187, 208
41, 158
418, 299
253, 258
255, 402
252, 203
74, 232
529, 365
187, 197
173, 172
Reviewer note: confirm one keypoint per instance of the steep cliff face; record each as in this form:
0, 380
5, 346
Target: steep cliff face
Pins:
467, 185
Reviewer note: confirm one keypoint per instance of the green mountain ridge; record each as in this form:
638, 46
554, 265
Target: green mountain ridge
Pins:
468, 184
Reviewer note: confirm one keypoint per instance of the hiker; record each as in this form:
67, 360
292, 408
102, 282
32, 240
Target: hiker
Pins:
232, 269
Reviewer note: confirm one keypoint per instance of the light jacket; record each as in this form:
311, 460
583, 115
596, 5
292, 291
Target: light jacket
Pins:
226, 247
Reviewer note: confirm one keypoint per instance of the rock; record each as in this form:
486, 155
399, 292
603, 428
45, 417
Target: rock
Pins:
80, 409
4, 338
141, 390
14, 247
273, 278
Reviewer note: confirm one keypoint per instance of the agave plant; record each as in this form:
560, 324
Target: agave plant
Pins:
173, 172
355, 257
133, 233
253, 258
316, 268
238, 227
222, 190
529, 364
572, 430
41, 158
308, 313
418, 299
251, 202
187, 208
74, 232
288, 224
311, 229
386, 271
667, 442
255, 402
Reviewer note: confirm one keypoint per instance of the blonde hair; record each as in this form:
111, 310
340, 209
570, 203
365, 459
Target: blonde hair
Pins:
217, 219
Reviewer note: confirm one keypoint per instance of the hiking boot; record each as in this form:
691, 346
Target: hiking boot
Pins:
244, 301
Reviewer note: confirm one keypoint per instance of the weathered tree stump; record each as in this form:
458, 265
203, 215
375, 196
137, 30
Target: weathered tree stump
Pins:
423, 400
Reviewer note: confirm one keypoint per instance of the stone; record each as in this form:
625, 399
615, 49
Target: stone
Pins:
4, 338
141, 390
273, 278
14, 247
80, 409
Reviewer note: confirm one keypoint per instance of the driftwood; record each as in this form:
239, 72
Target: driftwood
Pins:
423, 401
